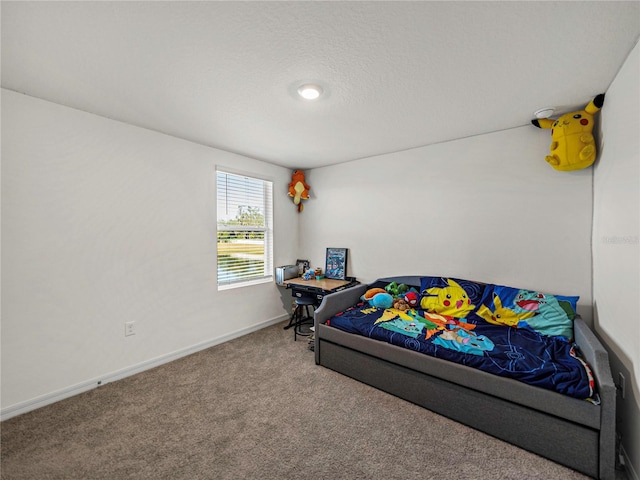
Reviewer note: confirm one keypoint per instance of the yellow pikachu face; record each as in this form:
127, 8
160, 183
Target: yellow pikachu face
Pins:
502, 315
451, 300
571, 124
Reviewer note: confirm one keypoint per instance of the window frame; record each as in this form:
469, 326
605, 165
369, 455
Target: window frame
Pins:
266, 208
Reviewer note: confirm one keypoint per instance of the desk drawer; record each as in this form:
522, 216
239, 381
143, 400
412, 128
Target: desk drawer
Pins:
318, 296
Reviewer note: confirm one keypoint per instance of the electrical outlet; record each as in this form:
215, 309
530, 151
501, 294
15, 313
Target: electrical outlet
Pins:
621, 384
129, 328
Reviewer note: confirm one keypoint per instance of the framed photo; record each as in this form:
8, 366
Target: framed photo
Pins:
303, 266
336, 266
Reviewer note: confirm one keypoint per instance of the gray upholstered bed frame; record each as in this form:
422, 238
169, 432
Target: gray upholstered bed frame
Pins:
569, 431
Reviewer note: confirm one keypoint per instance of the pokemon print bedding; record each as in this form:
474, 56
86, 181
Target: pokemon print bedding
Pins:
519, 365
505, 331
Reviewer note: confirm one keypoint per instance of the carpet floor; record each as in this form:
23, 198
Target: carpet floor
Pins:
256, 407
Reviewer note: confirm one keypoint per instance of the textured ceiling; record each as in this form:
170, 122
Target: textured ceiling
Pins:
396, 75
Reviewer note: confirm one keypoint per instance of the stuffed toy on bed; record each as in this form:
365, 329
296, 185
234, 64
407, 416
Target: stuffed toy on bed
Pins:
378, 297
572, 144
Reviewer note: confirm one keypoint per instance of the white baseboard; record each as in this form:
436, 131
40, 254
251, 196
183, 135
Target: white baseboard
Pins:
53, 397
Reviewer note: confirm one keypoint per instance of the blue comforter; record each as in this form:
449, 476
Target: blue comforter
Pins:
524, 354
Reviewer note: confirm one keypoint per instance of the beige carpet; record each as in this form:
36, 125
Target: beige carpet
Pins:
253, 408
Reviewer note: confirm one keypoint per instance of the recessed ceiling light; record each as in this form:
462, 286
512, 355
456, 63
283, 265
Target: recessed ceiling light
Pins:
309, 91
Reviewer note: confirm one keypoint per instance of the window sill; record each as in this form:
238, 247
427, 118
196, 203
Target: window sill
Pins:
246, 283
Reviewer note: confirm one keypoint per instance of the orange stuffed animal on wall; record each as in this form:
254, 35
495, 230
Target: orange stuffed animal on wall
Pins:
298, 189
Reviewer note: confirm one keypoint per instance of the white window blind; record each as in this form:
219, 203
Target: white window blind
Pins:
245, 229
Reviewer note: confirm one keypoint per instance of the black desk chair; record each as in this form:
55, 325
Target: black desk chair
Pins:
302, 303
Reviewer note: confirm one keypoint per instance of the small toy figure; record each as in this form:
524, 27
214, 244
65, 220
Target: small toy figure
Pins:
298, 189
411, 297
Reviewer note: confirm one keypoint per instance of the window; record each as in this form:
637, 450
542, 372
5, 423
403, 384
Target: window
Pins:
245, 230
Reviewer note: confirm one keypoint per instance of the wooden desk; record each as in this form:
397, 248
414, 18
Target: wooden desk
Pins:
317, 289
326, 284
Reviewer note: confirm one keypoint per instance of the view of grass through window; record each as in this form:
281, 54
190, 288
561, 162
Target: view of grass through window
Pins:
244, 230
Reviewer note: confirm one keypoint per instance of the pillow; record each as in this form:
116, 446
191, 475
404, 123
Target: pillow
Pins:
550, 315
450, 296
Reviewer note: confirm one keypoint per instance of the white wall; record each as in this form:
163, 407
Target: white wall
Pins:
616, 244
487, 208
104, 223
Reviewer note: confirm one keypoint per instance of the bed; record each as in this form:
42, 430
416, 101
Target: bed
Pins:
439, 362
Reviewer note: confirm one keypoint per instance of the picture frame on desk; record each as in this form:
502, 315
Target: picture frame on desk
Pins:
336, 263
303, 266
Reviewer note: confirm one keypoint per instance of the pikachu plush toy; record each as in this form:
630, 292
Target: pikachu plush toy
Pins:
572, 144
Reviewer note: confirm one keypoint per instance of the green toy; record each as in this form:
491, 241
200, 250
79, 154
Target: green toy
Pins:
396, 290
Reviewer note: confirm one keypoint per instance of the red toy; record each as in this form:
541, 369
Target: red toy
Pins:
298, 189
412, 299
